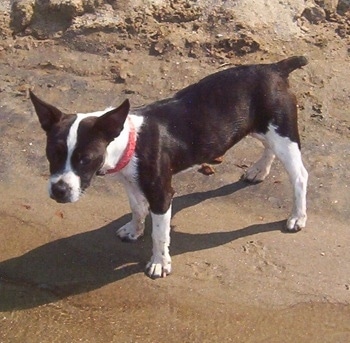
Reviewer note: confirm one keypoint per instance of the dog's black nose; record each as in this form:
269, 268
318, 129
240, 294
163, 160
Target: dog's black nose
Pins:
60, 191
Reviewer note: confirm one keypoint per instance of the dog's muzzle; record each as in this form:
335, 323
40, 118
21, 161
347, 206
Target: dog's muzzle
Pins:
61, 192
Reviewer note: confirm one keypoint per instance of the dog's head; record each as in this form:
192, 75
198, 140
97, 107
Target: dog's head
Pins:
76, 145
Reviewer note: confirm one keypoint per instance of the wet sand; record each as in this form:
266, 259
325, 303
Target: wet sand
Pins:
65, 276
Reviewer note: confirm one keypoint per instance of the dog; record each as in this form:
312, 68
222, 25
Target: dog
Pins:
146, 146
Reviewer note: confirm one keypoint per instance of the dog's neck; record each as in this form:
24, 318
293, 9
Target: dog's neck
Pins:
129, 149
121, 150
116, 149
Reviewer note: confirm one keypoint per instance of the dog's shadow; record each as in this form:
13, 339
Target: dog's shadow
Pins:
90, 260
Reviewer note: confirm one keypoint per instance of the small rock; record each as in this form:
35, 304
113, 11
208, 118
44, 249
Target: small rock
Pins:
22, 12
328, 5
206, 169
314, 15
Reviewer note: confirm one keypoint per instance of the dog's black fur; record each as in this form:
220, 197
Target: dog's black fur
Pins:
204, 120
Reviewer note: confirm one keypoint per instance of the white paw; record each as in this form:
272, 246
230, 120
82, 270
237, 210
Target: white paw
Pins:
255, 174
158, 267
296, 223
128, 232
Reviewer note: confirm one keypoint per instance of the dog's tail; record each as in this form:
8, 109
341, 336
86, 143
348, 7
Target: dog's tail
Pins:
285, 67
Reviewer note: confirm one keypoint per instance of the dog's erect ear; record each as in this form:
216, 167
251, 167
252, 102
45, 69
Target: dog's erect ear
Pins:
112, 122
47, 114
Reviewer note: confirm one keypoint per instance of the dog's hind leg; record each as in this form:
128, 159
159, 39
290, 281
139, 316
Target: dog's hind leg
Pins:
288, 152
261, 168
140, 208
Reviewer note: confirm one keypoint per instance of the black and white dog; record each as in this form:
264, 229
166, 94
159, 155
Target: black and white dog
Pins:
147, 145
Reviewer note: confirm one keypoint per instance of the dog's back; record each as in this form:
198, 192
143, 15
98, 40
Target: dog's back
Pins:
204, 120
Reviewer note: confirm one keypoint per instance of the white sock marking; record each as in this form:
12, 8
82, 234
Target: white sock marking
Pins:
160, 263
289, 154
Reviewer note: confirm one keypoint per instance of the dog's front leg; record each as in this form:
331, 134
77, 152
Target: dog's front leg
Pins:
139, 208
160, 263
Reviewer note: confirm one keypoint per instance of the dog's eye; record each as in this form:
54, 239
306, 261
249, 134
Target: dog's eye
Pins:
85, 160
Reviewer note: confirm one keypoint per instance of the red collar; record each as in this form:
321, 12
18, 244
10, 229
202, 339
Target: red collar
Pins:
128, 152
